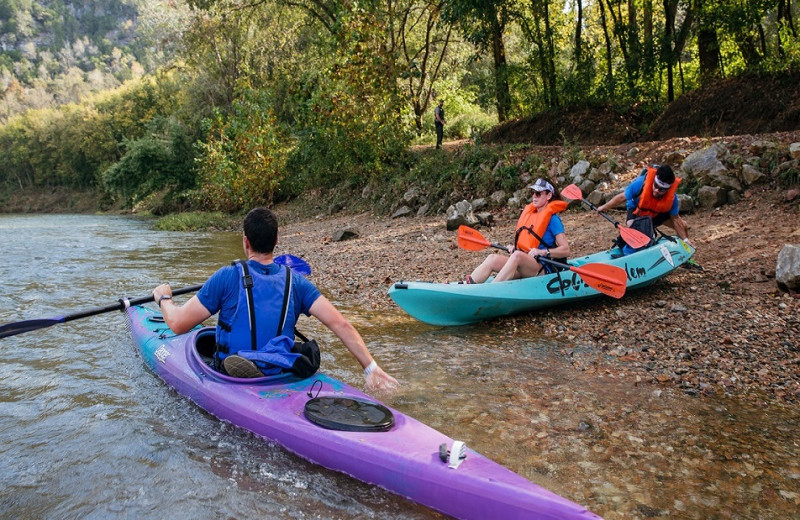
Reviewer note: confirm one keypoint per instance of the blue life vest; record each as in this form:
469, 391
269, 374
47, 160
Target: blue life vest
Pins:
270, 346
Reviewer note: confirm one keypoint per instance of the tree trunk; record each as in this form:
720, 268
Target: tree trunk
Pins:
708, 54
500, 71
609, 56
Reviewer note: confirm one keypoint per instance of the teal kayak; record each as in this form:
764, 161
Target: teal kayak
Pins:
460, 304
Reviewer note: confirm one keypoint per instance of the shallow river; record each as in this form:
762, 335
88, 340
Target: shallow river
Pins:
86, 431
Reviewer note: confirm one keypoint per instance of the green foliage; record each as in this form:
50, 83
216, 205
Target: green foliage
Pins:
61, 53
242, 162
160, 159
196, 221
353, 121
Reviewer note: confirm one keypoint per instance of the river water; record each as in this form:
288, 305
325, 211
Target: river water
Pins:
86, 431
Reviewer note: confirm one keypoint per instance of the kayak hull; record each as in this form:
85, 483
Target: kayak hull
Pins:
460, 304
404, 460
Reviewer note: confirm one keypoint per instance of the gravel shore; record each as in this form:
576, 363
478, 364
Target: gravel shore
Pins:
725, 329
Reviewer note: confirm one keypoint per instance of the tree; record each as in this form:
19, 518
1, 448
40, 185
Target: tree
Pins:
484, 24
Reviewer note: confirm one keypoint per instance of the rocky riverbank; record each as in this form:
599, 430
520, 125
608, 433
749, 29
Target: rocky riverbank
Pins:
724, 329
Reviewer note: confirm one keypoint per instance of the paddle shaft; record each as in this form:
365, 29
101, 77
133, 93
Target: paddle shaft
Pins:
12, 329
602, 214
120, 305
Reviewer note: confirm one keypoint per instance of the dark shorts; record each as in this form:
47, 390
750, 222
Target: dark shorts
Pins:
657, 220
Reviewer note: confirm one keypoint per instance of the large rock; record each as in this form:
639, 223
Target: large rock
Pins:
597, 198
705, 166
460, 214
711, 197
581, 169
787, 271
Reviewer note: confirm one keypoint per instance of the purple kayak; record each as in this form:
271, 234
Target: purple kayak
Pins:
391, 450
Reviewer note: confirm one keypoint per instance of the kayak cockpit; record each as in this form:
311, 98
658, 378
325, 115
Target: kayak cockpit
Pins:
201, 346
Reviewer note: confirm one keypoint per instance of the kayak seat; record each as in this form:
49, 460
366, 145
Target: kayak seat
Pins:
349, 414
206, 344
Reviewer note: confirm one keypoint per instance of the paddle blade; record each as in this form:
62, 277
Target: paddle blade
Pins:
607, 279
19, 327
572, 192
295, 263
471, 240
634, 238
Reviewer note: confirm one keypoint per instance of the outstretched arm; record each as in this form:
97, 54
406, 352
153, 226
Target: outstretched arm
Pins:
324, 311
679, 225
615, 201
180, 318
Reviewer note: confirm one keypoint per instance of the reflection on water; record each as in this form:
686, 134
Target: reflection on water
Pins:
87, 431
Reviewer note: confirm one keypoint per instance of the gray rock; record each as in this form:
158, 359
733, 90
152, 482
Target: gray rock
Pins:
485, 218
794, 150
761, 146
587, 186
705, 162
343, 234
674, 157
460, 214
596, 197
478, 204
402, 211
711, 197
597, 176
685, 204
423, 210
751, 174
498, 197
580, 168
411, 195
787, 270
606, 168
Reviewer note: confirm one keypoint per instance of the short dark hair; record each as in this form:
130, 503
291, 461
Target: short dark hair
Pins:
261, 229
665, 174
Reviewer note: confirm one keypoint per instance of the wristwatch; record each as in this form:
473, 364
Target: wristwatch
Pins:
162, 298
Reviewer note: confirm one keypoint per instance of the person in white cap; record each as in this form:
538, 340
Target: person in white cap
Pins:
652, 194
539, 233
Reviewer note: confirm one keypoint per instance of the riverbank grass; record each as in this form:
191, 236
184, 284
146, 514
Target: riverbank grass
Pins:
198, 221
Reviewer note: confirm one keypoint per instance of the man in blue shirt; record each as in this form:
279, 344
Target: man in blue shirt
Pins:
222, 293
653, 194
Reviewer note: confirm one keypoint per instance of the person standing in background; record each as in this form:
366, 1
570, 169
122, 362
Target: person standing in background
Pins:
438, 116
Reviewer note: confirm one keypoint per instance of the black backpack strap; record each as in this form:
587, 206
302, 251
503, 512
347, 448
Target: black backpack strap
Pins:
530, 230
287, 289
247, 281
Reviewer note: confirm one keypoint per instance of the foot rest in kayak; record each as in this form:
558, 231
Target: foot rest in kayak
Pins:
348, 414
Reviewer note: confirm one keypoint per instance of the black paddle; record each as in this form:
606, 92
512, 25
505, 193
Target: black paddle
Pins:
12, 329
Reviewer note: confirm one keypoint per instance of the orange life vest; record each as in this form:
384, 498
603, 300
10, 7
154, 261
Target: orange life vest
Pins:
531, 219
650, 206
